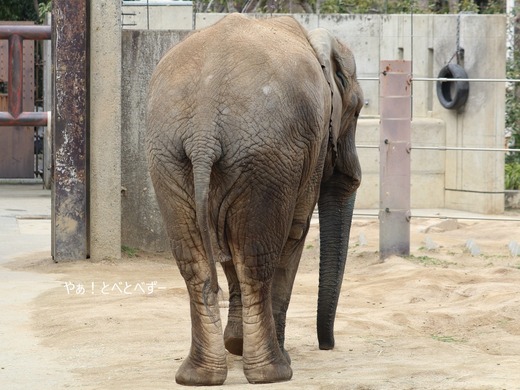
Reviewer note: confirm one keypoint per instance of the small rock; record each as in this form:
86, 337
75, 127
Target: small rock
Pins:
443, 226
514, 248
430, 244
362, 240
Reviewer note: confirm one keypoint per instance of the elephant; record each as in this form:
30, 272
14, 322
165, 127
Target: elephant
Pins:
250, 124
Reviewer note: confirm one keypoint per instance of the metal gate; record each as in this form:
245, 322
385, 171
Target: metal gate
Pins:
17, 97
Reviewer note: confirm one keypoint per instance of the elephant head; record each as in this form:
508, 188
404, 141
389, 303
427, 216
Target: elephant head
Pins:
341, 176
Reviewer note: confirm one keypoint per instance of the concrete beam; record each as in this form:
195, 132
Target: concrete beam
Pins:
105, 129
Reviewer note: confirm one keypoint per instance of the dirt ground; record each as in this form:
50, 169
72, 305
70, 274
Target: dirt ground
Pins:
439, 319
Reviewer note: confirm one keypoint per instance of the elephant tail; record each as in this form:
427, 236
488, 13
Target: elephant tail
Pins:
202, 166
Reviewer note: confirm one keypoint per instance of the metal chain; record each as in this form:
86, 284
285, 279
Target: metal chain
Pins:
458, 37
459, 52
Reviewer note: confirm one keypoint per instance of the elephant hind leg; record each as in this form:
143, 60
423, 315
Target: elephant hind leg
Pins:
264, 362
257, 224
233, 334
206, 363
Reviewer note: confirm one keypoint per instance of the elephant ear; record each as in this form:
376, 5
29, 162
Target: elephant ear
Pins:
332, 60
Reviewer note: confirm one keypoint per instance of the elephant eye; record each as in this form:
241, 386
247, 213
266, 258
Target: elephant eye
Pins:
342, 78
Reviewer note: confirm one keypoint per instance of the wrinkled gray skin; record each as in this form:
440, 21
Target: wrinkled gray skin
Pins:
249, 122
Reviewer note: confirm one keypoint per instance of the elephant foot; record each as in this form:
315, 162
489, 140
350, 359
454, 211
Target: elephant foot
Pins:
234, 345
191, 374
278, 371
233, 337
286, 355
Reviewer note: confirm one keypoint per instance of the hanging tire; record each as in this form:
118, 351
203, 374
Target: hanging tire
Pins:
452, 94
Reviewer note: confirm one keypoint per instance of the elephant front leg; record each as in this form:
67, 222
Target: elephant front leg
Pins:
206, 363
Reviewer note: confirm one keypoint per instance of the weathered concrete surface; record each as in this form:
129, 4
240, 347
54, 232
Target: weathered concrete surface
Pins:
105, 129
142, 224
475, 180
149, 15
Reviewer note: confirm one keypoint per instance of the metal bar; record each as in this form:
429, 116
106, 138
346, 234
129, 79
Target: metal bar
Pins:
462, 217
395, 106
47, 106
467, 218
70, 119
36, 33
15, 116
444, 79
448, 148
15, 76
24, 119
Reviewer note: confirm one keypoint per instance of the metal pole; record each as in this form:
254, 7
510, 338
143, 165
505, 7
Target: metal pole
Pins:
70, 239
395, 105
15, 85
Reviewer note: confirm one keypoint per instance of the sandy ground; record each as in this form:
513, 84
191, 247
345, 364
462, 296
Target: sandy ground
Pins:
439, 319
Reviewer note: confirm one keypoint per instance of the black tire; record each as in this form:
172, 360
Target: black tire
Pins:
453, 94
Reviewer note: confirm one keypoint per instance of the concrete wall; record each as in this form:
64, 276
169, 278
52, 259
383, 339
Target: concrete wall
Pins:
157, 15
471, 181
142, 225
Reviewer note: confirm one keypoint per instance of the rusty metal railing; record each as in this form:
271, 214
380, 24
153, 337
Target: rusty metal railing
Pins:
15, 116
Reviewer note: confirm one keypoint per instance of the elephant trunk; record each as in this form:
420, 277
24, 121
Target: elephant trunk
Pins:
335, 213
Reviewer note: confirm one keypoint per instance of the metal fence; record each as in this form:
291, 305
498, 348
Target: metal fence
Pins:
395, 149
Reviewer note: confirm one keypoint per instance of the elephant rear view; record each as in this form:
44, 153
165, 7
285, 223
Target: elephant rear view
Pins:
250, 123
